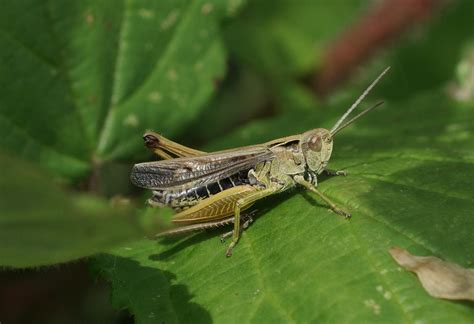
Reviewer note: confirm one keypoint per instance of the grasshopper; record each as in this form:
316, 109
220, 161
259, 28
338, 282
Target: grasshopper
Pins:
213, 189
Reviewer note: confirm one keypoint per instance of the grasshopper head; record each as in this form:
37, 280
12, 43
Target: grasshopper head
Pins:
316, 146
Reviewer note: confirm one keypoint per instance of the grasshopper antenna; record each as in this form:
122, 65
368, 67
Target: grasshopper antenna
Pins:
336, 127
353, 119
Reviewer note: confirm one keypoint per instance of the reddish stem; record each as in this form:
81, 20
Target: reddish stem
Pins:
357, 44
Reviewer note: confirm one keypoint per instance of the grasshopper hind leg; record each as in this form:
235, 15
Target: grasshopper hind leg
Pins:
167, 149
196, 227
241, 204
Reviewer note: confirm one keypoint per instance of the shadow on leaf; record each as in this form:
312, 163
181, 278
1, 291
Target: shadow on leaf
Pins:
149, 293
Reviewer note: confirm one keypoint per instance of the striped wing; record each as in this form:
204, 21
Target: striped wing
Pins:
198, 170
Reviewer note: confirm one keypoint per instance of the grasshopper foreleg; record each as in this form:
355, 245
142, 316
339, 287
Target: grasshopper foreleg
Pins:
334, 207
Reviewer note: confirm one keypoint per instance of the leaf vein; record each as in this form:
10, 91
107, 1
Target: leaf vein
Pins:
65, 74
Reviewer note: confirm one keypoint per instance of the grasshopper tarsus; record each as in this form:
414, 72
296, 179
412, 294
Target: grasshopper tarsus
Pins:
341, 173
228, 253
224, 236
345, 214
330, 172
342, 212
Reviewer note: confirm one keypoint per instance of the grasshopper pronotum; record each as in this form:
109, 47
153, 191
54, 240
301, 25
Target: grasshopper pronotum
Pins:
212, 189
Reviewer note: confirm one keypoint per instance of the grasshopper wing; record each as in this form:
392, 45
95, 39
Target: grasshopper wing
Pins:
198, 170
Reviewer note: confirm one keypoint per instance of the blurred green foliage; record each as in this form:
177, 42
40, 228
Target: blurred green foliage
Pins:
284, 39
81, 81
42, 224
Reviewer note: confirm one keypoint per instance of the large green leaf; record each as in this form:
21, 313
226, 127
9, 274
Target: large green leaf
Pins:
409, 185
80, 81
41, 224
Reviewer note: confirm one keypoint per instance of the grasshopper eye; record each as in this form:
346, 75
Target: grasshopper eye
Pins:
315, 143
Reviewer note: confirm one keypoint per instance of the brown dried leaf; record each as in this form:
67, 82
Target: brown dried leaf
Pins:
440, 279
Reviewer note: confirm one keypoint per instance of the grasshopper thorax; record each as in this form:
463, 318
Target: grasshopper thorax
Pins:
316, 146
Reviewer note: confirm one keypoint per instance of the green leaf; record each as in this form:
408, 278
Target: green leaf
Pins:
81, 81
41, 224
409, 185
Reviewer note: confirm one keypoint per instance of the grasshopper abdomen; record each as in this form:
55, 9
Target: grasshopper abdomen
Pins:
183, 198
